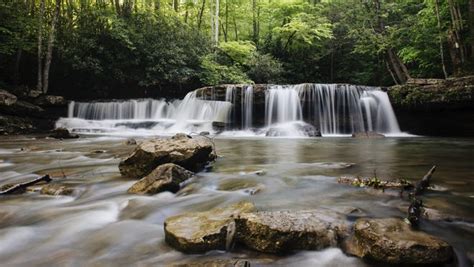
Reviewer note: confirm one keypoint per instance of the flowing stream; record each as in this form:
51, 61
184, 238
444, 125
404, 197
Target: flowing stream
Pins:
102, 225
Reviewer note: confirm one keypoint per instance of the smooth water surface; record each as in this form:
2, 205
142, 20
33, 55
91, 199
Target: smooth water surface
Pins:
101, 225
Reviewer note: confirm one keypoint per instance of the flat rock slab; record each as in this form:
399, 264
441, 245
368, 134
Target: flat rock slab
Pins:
392, 241
190, 153
166, 177
284, 231
197, 232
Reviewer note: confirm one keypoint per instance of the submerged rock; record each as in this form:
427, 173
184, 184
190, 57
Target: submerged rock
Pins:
363, 135
166, 177
284, 231
190, 153
62, 133
197, 232
392, 241
247, 185
56, 189
131, 142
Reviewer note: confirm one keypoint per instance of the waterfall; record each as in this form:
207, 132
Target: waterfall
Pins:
189, 114
247, 107
282, 104
274, 110
343, 109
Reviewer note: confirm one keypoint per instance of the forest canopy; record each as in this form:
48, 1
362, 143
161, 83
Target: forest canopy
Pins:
128, 48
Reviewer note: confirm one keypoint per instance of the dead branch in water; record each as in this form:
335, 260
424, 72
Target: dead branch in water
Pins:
425, 182
21, 188
400, 184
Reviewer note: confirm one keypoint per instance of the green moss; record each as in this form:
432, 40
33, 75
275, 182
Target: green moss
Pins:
444, 93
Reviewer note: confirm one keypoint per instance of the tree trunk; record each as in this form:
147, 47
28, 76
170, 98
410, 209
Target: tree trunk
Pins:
176, 6
39, 85
49, 54
226, 27
201, 12
216, 24
441, 50
454, 38
471, 30
398, 67
236, 32
254, 21
117, 7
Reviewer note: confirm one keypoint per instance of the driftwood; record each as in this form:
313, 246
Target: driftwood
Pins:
400, 184
21, 188
425, 182
415, 210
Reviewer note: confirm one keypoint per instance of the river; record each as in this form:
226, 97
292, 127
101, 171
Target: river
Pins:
102, 225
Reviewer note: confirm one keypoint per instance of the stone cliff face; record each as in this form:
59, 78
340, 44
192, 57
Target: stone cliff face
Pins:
435, 107
29, 114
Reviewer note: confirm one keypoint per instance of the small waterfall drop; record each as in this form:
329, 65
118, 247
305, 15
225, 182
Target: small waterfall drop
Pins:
247, 107
187, 115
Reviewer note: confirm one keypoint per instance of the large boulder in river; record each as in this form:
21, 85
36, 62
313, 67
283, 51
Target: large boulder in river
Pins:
186, 151
392, 241
197, 232
284, 231
62, 133
166, 177
6, 98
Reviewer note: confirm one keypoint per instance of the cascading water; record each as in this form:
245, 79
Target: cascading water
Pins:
290, 110
188, 115
344, 109
247, 107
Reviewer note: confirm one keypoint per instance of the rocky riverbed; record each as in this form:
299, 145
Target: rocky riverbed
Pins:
290, 208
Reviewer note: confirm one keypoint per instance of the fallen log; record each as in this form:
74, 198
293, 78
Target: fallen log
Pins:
400, 184
20, 188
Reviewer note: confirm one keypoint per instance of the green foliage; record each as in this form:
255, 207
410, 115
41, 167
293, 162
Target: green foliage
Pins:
214, 73
265, 69
238, 51
143, 47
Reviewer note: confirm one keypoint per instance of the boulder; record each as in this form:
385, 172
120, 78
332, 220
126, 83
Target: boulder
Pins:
370, 135
392, 241
62, 133
15, 125
50, 101
6, 98
166, 177
197, 232
56, 190
131, 142
284, 231
186, 151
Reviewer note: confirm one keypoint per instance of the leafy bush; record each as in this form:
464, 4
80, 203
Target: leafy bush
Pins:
214, 73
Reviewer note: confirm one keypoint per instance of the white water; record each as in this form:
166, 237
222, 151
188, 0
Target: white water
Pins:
155, 116
247, 107
333, 109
